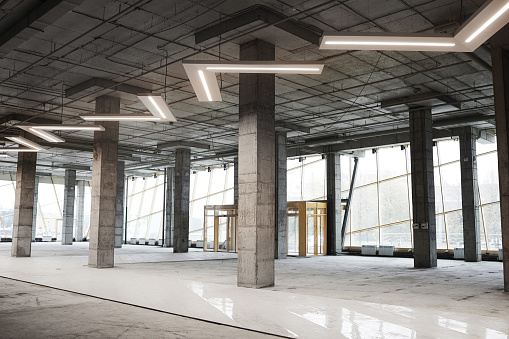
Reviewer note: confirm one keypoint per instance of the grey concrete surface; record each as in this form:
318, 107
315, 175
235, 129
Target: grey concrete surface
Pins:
32, 311
423, 188
257, 220
500, 56
80, 210
36, 197
169, 218
68, 211
334, 223
182, 194
470, 196
119, 206
24, 202
281, 197
104, 187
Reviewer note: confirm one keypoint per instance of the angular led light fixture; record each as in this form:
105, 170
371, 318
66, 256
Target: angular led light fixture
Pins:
31, 146
491, 17
121, 117
202, 74
157, 106
41, 130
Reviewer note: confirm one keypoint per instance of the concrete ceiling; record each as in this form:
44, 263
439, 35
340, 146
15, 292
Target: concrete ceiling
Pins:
142, 43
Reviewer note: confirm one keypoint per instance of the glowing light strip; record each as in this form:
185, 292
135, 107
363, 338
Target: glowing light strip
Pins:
202, 77
45, 135
25, 142
69, 128
387, 43
279, 69
487, 23
157, 107
120, 118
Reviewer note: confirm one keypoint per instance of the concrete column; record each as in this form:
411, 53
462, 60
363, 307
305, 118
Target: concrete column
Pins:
169, 219
36, 197
68, 212
80, 210
334, 222
104, 187
182, 187
256, 170
281, 244
423, 188
119, 209
24, 202
236, 180
500, 60
470, 195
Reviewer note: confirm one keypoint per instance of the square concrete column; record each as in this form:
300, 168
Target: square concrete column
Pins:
281, 245
36, 197
334, 222
80, 213
68, 212
24, 202
470, 195
257, 157
119, 209
104, 187
169, 218
236, 180
181, 208
500, 59
423, 188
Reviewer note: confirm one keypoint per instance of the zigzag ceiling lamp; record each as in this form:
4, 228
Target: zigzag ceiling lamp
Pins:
30, 146
491, 17
202, 74
42, 130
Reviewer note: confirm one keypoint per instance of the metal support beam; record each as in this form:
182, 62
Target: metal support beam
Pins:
259, 13
292, 127
183, 143
346, 217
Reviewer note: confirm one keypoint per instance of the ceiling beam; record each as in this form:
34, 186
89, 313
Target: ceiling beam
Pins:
259, 13
33, 22
415, 98
107, 84
183, 143
293, 127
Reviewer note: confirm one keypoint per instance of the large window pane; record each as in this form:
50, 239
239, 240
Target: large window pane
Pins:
391, 162
394, 205
487, 174
364, 212
313, 180
397, 235
366, 171
368, 237
491, 214
454, 223
448, 151
451, 186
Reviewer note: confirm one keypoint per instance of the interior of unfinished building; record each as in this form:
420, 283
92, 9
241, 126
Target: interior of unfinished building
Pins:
254, 169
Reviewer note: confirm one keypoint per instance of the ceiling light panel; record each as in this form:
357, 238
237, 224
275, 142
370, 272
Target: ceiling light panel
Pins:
66, 127
157, 106
388, 41
202, 74
32, 146
121, 117
45, 135
490, 18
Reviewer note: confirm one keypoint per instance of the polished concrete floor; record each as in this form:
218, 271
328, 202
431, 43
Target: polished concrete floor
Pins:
321, 297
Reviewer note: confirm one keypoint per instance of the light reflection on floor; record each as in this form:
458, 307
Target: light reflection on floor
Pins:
173, 286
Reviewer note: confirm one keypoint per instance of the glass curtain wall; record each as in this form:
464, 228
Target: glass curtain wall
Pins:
49, 207
381, 212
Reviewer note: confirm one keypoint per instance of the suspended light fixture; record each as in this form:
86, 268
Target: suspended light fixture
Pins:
202, 74
157, 106
491, 17
121, 117
30, 146
41, 130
